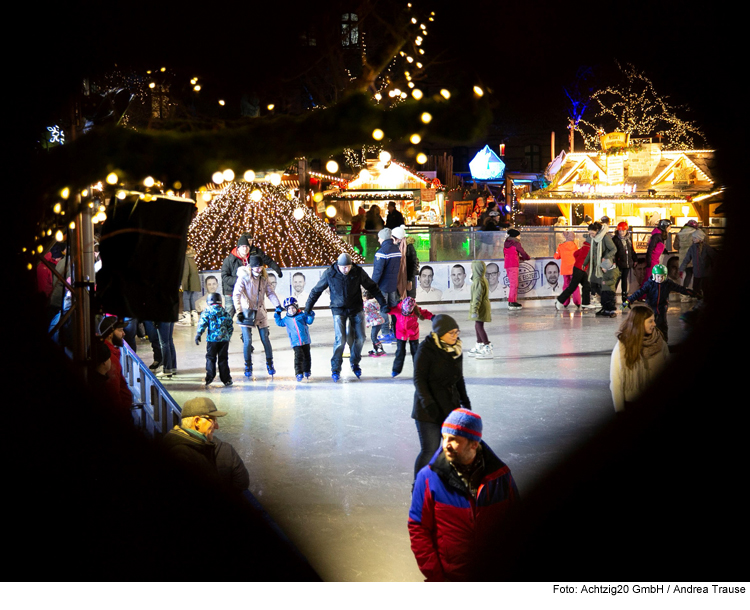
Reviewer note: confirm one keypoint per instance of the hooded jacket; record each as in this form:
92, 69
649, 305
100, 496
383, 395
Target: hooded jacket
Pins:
296, 326
453, 534
191, 281
683, 240
407, 327
513, 252
346, 290
217, 322
480, 294
246, 294
655, 247
656, 294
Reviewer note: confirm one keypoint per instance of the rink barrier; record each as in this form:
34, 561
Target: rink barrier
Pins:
154, 411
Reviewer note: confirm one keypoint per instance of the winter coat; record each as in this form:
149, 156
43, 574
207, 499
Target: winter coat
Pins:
683, 240
702, 257
191, 281
625, 256
246, 297
394, 219
513, 252
217, 322
407, 327
655, 248
656, 294
386, 266
346, 290
214, 460
609, 279
233, 262
581, 256
117, 386
453, 535
627, 384
564, 253
372, 313
479, 308
602, 247
44, 275
296, 326
439, 385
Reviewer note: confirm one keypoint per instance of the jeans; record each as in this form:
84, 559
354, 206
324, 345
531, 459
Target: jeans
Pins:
153, 338
398, 361
188, 300
357, 324
166, 343
391, 300
579, 277
430, 439
247, 344
217, 350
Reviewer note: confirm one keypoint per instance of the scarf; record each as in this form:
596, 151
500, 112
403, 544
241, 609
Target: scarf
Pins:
454, 350
402, 279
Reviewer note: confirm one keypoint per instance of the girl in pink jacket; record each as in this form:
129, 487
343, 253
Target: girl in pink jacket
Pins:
514, 253
408, 315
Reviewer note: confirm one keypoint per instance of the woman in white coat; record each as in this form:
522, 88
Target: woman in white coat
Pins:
638, 357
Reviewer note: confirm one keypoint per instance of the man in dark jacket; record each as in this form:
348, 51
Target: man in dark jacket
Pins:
237, 258
385, 274
394, 218
458, 503
345, 281
194, 445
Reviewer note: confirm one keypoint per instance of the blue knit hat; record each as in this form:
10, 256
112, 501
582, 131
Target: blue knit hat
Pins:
463, 422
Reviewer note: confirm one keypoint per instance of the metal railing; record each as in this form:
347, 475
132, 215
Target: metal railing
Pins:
467, 243
155, 412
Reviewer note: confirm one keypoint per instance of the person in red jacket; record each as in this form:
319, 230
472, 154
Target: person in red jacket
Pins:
513, 253
112, 332
407, 314
458, 503
579, 278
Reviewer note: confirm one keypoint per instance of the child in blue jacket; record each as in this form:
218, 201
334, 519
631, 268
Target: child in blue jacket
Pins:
296, 323
218, 323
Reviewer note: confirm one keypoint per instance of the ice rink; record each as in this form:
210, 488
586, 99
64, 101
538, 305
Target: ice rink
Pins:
332, 463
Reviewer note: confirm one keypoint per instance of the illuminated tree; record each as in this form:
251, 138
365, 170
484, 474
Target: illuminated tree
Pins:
634, 107
284, 229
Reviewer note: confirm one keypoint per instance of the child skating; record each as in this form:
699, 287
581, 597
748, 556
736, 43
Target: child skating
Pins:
218, 323
408, 314
296, 323
479, 310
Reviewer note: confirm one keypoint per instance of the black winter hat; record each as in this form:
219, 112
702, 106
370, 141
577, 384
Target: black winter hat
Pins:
443, 323
243, 241
255, 261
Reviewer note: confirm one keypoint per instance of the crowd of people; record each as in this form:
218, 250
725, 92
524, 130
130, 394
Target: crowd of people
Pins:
457, 477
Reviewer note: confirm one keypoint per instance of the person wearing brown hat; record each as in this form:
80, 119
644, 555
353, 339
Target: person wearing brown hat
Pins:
112, 333
194, 445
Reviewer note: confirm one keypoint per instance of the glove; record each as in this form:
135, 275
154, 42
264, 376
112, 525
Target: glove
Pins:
240, 317
625, 305
197, 339
279, 272
279, 309
474, 316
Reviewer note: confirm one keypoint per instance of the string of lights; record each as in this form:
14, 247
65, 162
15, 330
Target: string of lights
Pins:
288, 232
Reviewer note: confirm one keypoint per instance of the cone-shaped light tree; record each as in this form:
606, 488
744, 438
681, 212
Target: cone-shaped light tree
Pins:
288, 232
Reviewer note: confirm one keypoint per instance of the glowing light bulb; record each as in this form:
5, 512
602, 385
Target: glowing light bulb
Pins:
378, 96
426, 117
121, 195
415, 138
270, 106
256, 195
274, 179
421, 158
228, 175
59, 235
332, 167
65, 193
378, 134
112, 178
318, 197
148, 182
57, 209
331, 211
384, 156
478, 91
249, 175
445, 93
217, 177
197, 88
417, 94
298, 214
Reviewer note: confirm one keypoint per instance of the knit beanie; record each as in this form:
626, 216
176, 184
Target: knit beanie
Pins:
255, 261
462, 422
384, 234
243, 241
344, 259
513, 233
399, 232
443, 323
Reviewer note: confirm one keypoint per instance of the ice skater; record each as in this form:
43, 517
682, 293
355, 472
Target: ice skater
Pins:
655, 291
407, 314
514, 253
480, 311
374, 321
217, 323
296, 323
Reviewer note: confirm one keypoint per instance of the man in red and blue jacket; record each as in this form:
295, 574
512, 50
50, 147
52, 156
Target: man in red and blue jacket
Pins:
458, 503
